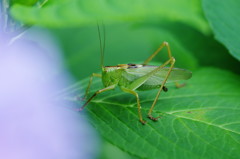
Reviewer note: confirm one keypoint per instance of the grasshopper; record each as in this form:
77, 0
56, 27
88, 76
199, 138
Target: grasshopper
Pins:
133, 77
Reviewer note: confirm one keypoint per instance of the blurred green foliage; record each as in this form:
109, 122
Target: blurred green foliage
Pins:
224, 19
134, 30
23, 2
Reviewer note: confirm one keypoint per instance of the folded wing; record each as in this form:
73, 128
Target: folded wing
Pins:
176, 74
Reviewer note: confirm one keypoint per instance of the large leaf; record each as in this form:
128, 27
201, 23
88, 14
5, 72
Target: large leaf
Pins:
200, 120
110, 151
62, 13
223, 17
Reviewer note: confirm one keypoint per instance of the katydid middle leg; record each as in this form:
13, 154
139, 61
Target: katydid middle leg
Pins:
138, 103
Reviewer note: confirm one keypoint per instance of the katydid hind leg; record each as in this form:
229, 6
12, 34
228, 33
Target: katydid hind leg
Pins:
164, 44
138, 82
96, 93
138, 103
171, 61
144, 78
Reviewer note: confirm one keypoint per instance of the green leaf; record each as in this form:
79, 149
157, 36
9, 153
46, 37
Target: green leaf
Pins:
64, 13
110, 151
223, 17
200, 120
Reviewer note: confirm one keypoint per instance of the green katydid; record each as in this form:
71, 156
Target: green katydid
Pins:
132, 77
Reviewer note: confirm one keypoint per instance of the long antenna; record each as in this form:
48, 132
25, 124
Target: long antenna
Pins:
104, 38
102, 46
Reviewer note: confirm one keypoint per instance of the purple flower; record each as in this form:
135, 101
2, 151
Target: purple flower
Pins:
32, 126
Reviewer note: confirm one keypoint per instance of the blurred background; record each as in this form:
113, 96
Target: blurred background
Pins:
134, 30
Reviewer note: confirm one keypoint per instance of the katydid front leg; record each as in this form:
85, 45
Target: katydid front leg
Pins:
96, 93
90, 83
